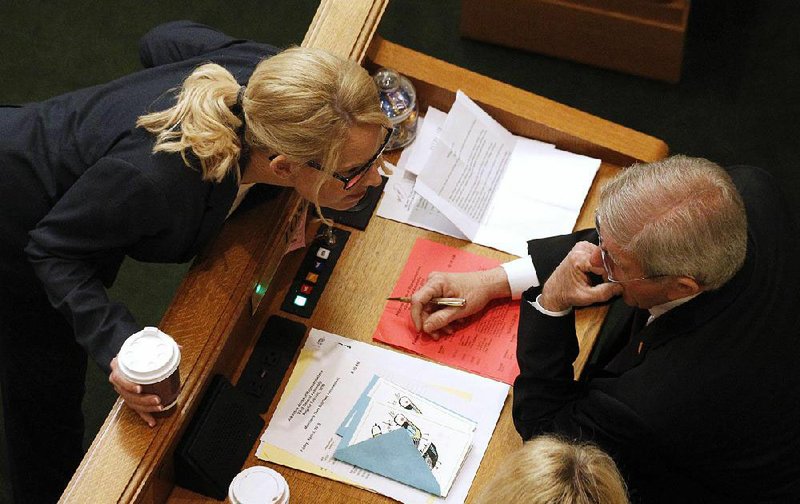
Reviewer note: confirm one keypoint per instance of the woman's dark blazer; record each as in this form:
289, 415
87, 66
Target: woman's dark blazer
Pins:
81, 188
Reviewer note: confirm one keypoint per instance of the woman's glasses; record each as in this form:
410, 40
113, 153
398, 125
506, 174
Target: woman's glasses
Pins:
352, 177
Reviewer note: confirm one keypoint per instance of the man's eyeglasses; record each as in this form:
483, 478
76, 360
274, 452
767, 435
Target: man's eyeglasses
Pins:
608, 262
351, 178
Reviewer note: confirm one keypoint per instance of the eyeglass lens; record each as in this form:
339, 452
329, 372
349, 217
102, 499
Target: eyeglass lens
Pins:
362, 170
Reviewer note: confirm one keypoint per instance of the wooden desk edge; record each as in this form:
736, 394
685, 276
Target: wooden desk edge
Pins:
522, 112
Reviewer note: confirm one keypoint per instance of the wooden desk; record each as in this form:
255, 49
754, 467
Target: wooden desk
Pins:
210, 315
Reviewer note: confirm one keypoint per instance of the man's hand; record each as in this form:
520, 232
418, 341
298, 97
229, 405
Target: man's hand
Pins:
477, 287
131, 393
569, 286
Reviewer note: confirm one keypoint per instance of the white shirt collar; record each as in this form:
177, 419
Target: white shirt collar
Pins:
658, 310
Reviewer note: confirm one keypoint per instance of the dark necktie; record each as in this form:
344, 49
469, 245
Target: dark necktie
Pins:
639, 321
631, 354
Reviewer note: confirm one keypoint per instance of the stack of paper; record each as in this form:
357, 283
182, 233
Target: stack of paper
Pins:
404, 436
316, 415
467, 176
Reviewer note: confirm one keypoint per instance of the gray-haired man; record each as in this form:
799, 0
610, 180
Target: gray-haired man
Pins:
695, 394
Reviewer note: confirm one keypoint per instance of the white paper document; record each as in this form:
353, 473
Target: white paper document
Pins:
400, 202
427, 137
331, 374
497, 189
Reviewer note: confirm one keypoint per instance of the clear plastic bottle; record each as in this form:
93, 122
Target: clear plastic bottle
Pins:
399, 103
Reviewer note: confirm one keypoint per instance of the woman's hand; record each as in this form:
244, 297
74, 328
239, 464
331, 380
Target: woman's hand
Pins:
143, 404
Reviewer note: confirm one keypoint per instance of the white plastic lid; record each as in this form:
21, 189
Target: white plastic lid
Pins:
258, 485
148, 356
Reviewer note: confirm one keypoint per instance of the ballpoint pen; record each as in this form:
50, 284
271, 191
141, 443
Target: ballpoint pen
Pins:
443, 301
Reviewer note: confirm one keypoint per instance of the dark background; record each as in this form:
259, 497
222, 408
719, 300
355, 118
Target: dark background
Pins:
737, 101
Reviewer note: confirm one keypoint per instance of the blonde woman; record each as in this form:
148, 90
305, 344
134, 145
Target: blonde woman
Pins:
549, 470
149, 166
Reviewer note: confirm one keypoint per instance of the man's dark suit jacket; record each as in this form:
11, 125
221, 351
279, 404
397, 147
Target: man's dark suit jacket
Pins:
709, 409
80, 187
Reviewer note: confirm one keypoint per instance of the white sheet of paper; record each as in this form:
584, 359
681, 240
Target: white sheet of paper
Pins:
428, 131
466, 165
332, 372
402, 204
540, 196
501, 190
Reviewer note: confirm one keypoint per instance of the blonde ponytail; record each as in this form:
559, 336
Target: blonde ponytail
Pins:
201, 121
301, 103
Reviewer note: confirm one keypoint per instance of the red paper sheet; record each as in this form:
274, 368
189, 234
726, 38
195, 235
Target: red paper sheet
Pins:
486, 346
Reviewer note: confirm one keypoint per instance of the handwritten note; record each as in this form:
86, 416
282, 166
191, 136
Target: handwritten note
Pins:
486, 346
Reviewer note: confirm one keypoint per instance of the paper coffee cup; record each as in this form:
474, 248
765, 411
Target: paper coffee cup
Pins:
150, 358
258, 485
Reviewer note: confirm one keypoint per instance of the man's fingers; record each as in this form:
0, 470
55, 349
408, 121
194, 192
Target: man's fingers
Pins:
420, 313
605, 291
442, 318
597, 270
435, 322
419, 303
582, 261
444, 331
416, 316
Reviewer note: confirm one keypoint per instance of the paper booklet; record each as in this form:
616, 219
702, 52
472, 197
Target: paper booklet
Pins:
344, 393
406, 437
494, 188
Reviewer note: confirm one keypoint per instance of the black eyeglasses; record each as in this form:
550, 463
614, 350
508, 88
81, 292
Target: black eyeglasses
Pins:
351, 178
608, 267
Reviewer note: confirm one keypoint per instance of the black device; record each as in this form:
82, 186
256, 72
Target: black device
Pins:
217, 440
359, 216
271, 357
314, 272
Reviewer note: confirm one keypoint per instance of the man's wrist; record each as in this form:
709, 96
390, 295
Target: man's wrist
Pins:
548, 303
548, 310
496, 283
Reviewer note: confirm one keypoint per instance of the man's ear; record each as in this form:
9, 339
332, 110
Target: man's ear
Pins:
683, 286
281, 167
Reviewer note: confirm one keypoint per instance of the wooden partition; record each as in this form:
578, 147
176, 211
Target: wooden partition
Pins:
640, 37
211, 315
